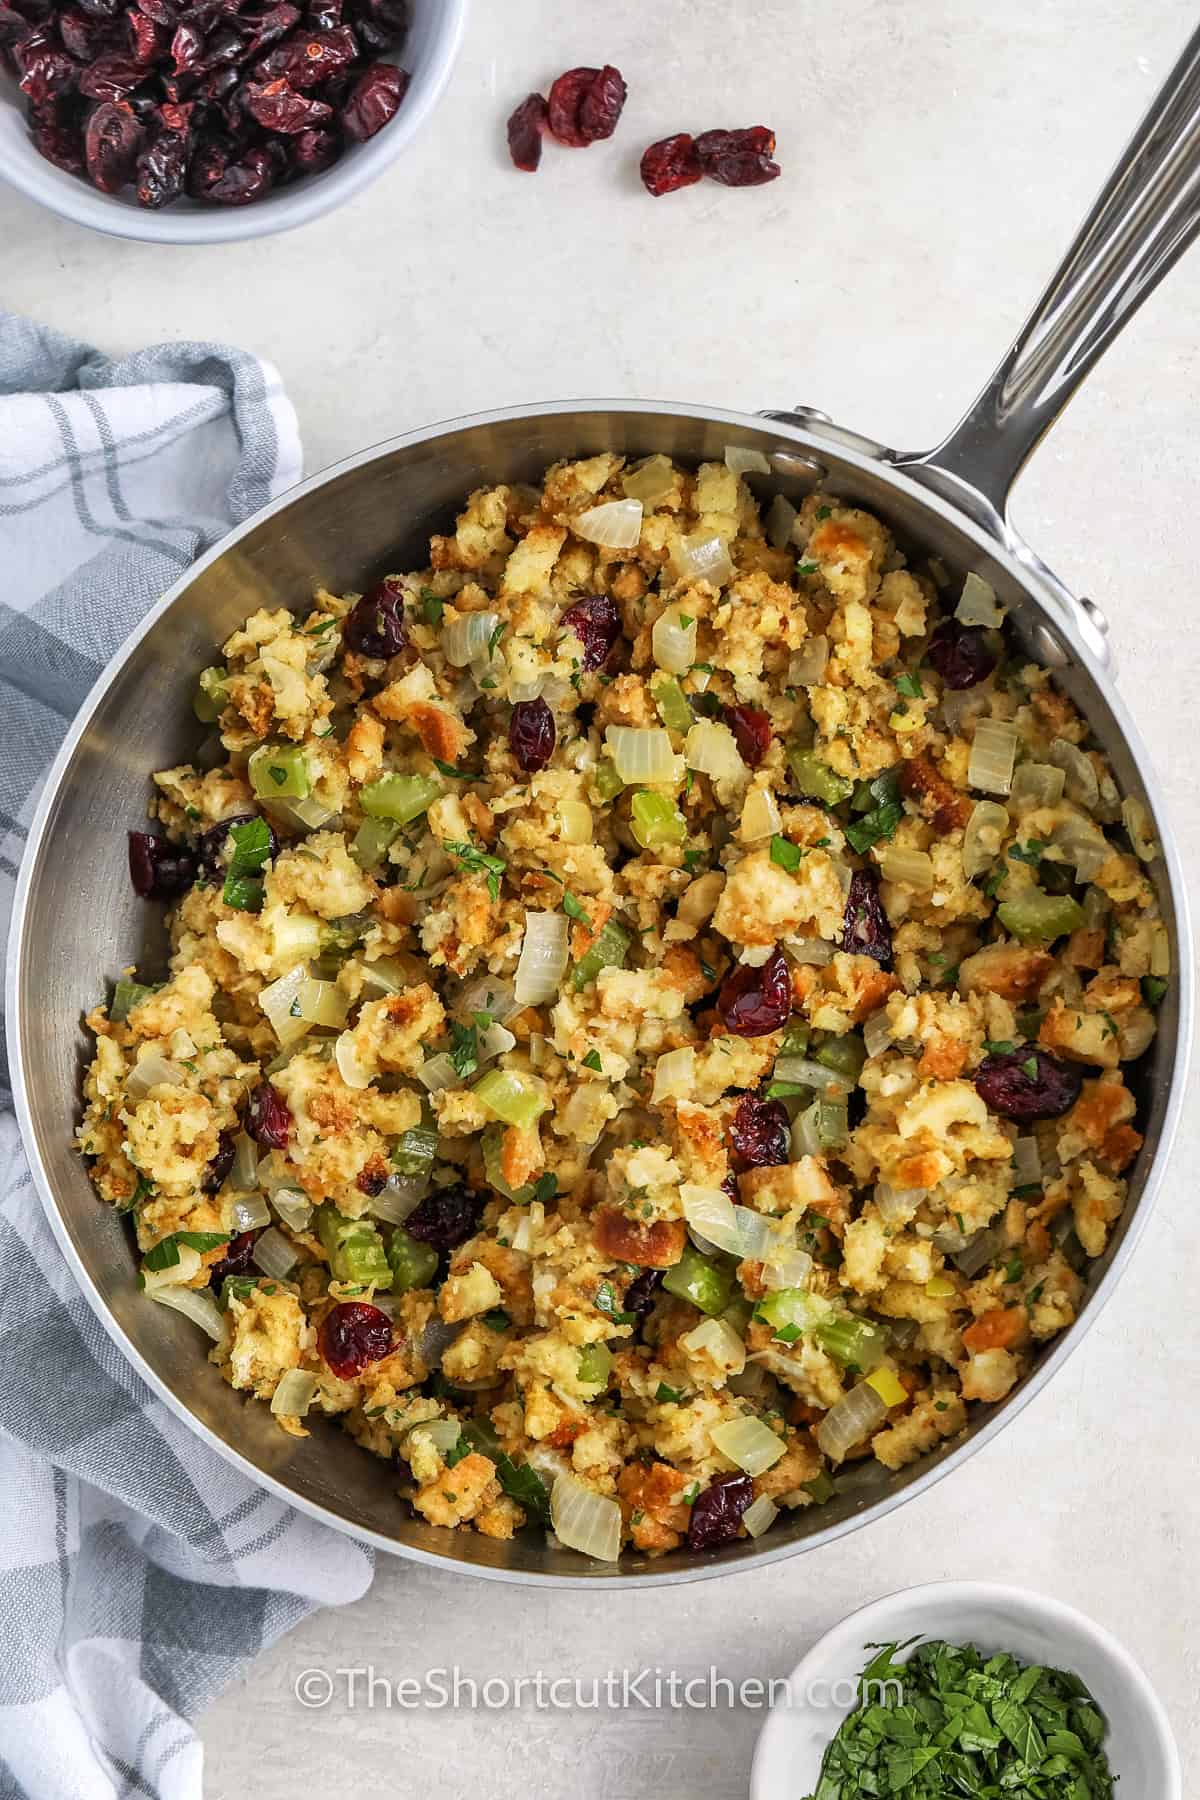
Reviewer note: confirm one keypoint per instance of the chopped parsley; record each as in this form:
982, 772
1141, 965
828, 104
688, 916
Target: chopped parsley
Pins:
999, 1046
464, 1048
497, 1319
479, 862
910, 687
592, 1061
1030, 1067
878, 800
786, 854
1030, 853
665, 1393
807, 568
494, 640
433, 608
606, 1302
545, 1188
165, 1254
574, 909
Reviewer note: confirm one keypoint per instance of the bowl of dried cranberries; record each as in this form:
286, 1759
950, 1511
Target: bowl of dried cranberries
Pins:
206, 121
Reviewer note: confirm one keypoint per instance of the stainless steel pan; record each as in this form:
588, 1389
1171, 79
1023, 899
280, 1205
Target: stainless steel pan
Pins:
76, 921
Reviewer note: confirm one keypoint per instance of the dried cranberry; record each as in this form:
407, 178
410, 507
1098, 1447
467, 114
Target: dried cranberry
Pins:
596, 622
717, 1513
270, 27
602, 105
314, 151
1004, 1081
81, 37
236, 1259
163, 12
187, 47
375, 626
159, 869
373, 100
325, 15
565, 103
640, 1294
310, 57
215, 847
525, 128
671, 163
751, 730
101, 9
210, 160
45, 71
761, 1132
753, 1002
111, 78
60, 145
961, 654
147, 40
277, 107
161, 169
352, 1335
220, 1165
244, 181
268, 1117
531, 734
445, 1217
755, 140
16, 29
865, 930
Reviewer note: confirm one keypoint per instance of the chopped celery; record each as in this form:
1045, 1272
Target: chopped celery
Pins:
491, 1144
354, 1246
1035, 917
672, 705
697, 1278
512, 1097
211, 695
126, 995
816, 780
606, 781
279, 772
414, 1151
822, 1127
850, 1340
790, 1312
1153, 989
846, 1055
795, 1042
346, 932
595, 1365
413, 1264
656, 821
820, 1488
608, 950
401, 798
372, 841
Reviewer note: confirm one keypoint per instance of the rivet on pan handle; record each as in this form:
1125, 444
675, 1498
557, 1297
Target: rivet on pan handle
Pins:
1143, 220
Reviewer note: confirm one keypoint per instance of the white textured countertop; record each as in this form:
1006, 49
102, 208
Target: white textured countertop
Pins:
936, 158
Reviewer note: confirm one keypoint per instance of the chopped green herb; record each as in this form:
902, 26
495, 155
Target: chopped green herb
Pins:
464, 1048
592, 1061
1153, 989
494, 640
665, 1393
824, 512
165, 1254
1030, 853
910, 687
432, 608
497, 1319
999, 1046
575, 910
606, 1302
478, 862
545, 1188
807, 568
1030, 1067
449, 769
786, 854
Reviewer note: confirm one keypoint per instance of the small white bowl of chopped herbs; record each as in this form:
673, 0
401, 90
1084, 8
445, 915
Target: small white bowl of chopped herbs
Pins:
971, 1688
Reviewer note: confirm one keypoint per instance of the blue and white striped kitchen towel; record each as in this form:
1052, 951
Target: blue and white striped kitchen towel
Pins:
139, 1573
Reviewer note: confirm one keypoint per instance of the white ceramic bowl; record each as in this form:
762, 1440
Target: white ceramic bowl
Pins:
1140, 1747
428, 54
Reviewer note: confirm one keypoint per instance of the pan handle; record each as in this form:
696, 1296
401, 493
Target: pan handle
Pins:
1144, 219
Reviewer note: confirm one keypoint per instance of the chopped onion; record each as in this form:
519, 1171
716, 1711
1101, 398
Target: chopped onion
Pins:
614, 525
438, 1072
812, 952
673, 643
650, 482
704, 557
983, 837
250, 1211
384, 975
753, 1446
294, 1208
182, 1046
243, 1172
674, 1075
746, 462
281, 1003
711, 748
979, 1249
962, 706
467, 637
532, 1220
196, 1304
402, 1195
274, 1255
1037, 784
1083, 787
351, 1067
993, 752
435, 1340
302, 815
978, 604
850, 1421
877, 1034
585, 1521
543, 957
1137, 824
807, 667
716, 1339
786, 1267
575, 822
443, 1434
781, 516
761, 817
177, 1275
488, 994
493, 1040
150, 1071
806, 1073
294, 1395
644, 755
896, 1206
1083, 845
912, 868
760, 1515
737, 1230
1027, 1161
322, 1002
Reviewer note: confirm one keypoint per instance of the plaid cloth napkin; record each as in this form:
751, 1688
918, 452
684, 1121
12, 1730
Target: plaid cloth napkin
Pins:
139, 1573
